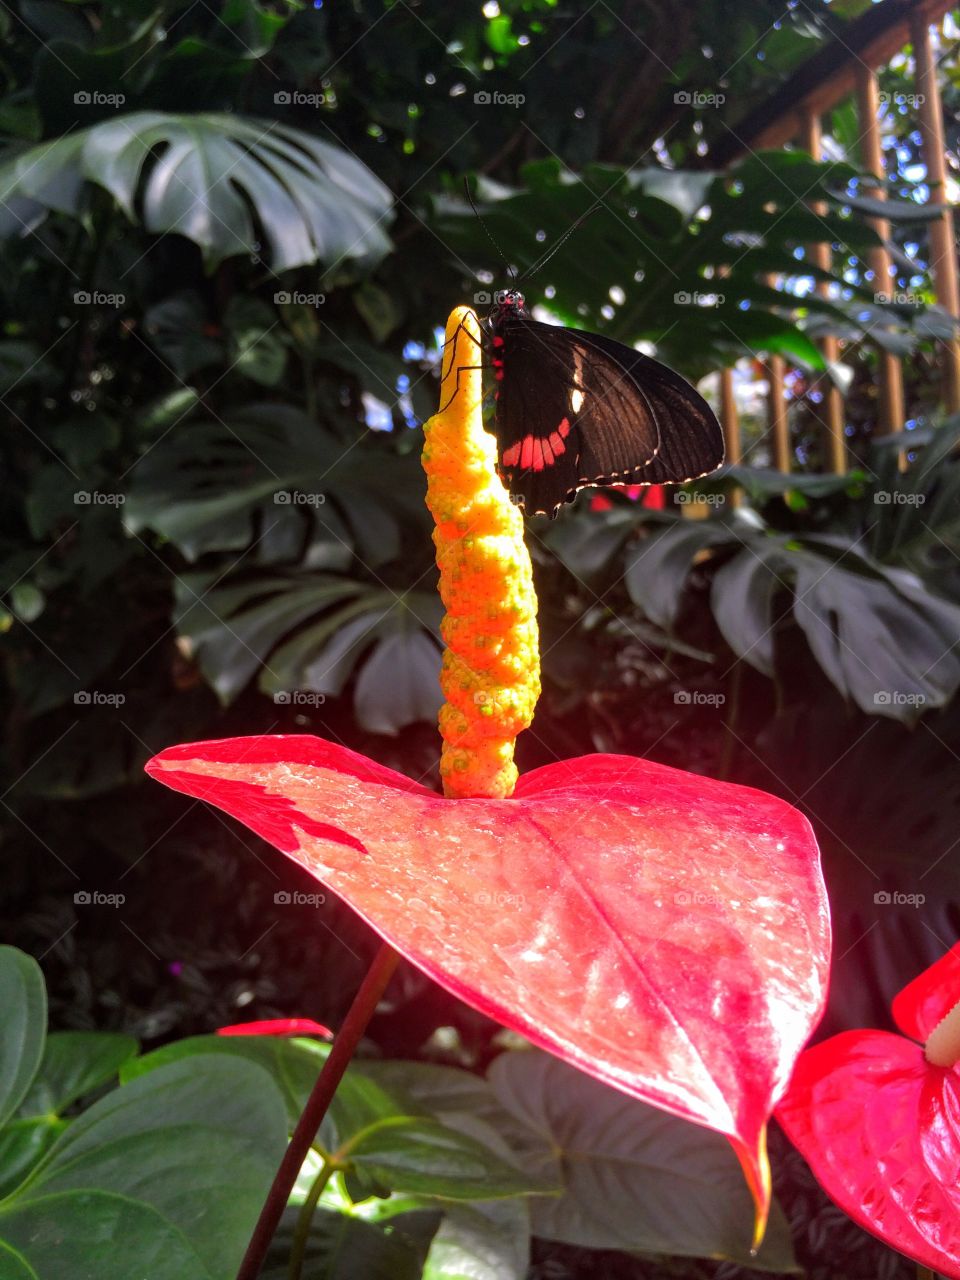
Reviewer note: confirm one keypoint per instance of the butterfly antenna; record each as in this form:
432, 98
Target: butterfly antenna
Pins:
489, 233
542, 261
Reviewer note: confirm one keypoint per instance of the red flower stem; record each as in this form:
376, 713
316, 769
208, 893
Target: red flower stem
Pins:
342, 1050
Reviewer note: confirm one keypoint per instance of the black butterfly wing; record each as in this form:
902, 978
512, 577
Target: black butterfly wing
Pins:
623, 418
538, 444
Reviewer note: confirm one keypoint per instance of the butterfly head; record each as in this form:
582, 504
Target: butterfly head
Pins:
508, 300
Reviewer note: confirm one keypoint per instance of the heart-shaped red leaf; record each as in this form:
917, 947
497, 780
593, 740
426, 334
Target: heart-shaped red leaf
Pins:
929, 998
664, 932
880, 1128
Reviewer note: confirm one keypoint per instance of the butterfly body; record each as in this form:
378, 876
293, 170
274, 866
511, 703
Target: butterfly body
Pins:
575, 409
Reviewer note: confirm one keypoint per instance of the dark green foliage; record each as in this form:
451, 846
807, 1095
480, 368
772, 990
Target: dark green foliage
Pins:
211, 287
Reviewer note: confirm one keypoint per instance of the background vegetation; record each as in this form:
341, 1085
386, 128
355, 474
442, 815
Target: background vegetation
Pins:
230, 235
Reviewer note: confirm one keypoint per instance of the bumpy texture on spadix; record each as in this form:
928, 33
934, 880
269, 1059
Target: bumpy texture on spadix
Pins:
491, 666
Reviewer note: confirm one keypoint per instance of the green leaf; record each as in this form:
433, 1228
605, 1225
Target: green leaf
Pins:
23, 1143
636, 1178
209, 177
177, 329
23, 1000
347, 1248
657, 567
894, 210
741, 596
885, 640
74, 1063
423, 1156
481, 1241
233, 629
399, 683
257, 348
267, 470
588, 546
294, 1064
97, 1234
156, 1151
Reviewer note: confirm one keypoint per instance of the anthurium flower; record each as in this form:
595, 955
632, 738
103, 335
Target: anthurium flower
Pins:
666, 933
276, 1027
877, 1117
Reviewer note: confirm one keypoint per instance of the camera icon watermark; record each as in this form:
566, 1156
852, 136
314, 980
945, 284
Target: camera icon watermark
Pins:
696, 98
895, 698
94, 98
899, 299
904, 100
96, 298
297, 98
296, 898
697, 898
685, 499
94, 898
287, 298
883, 898
299, 698
294, 498
509, 901
494, 98
697, 698
96, 498
897, 498
684, 299
94, 698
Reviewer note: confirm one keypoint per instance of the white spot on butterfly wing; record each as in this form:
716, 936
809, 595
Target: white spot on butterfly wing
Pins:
576, 392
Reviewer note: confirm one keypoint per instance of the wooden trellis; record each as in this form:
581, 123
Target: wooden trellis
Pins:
848, 68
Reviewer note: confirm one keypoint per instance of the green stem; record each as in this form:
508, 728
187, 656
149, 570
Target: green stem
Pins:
302, 1233
344, 1046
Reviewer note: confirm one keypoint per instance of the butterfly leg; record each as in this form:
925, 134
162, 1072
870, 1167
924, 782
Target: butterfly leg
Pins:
460, 369
452, 343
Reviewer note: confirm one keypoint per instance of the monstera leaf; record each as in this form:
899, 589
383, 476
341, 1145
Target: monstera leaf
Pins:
266, 473
225, 182
306, 635
880, 635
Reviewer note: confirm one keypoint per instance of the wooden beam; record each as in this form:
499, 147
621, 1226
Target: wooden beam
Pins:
833, 417
729, 417
730, 421
777, 413
943, 252
826, 78
890, 408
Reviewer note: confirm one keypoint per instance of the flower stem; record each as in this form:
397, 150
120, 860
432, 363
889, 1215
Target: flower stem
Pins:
302, 1233
343, 1048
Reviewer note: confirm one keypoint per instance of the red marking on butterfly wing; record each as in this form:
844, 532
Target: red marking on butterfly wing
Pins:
511, 456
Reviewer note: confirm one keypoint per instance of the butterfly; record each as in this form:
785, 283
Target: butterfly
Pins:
575, 409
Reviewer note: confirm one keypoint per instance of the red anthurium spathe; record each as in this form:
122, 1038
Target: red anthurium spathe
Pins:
877, 1117
276, 1027
666, 933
